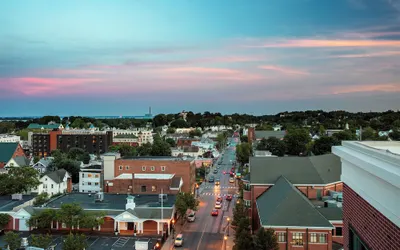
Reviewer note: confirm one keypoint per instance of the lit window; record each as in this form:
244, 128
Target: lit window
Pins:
96, 176
152, 168
322, 238
153, 188
281, 236
297, 239
89, 175
313, 238
144, 168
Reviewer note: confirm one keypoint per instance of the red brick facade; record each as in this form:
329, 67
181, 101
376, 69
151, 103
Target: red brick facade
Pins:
371, 226
137, 186
306, 235
181, 168
251, 135
185, 142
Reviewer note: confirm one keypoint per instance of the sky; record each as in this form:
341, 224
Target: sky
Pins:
102, 57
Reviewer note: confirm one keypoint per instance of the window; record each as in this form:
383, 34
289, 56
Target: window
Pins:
52, 186
247, 203
313, 238
63, 225
144, 168
297, 239
96, 183
89, 183
44, 185
322, 238
143, 188
152, 168
127, 167
153, 188
120, 167
96, 176
339, 231
163, 168
83, 175
89, 175
355, 242
281, 236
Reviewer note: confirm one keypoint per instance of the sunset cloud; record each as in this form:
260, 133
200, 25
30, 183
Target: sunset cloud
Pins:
283, 70
323, 43
385, 87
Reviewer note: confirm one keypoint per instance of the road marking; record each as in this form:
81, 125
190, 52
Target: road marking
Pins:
201, 238
94, 241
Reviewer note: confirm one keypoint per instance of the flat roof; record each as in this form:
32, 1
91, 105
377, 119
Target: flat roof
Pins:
111, 201
154, 176
155, 158
388, 146
7, 204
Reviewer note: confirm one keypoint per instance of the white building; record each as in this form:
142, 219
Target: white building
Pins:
18, 161
108, 164
141, 135
190, 151
56, 182
9, 138
90, 179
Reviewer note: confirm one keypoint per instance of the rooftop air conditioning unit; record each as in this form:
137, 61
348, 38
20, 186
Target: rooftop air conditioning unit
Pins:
16, 197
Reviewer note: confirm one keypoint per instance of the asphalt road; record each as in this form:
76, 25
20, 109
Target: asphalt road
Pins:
207, 231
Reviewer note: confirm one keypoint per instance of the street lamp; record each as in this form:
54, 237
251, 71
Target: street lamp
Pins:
229, 221
225, 241
173, 228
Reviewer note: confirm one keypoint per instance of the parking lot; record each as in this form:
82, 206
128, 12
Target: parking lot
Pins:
102, 242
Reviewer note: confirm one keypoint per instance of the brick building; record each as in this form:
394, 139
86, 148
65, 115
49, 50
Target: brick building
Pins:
371, 176
185, 142
8, 151
257, 135
148, 174
93, 142
304, 183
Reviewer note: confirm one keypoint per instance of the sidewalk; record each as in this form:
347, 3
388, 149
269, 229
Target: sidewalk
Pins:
169, 243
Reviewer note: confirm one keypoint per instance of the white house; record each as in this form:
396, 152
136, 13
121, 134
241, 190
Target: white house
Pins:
90, 179
18, 161
56, 182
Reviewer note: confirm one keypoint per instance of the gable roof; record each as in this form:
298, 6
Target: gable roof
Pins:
7, 149
45, 126
259, 134
57, 176
283, 205
321, 169
45, 161
331, 213
22, 161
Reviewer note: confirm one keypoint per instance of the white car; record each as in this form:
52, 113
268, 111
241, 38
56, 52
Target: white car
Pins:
218, 204
179, 240
191, 217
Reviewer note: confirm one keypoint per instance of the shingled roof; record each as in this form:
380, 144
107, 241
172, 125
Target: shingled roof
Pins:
57, 176
283, 205
7, 150
322, 169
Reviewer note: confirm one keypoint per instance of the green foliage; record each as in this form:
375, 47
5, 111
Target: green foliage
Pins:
18, 180
195, 133
239, 212
274, 145
264, 126
79, 123
296, 141
126, 150
171, 142
13, 240
324, 144
179, 123
36, 159
41, 199
145, 149
185, 201
91, 220
43, 219
75, 154
75, 242
160, 120
395, 135
160, 147
70, 214
6, 127
345, 135
369, 134
266, 240
40, 240
4, 219
86, 158
244, 138
243, 152
171, 130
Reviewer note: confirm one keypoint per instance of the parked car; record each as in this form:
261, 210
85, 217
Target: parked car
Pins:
179, 240
214, 212
191, 217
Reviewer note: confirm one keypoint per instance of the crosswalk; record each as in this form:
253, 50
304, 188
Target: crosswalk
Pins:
222, 187
216, 194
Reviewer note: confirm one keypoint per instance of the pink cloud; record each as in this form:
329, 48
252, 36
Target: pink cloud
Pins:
284, 70
389, 87
56, 81
201, 70
372, 54
321, 43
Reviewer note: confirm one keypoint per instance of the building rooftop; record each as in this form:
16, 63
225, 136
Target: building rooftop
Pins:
283, 205
7, 150
331, 213
154, 176
392, 147
322, 169
7, 204
156, 158
266, 134
111, 201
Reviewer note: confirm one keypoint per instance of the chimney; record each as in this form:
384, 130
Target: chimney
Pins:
130, 202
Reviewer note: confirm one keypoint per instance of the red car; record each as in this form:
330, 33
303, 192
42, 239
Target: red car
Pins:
219, 198
224, 172
229, 197
214, 212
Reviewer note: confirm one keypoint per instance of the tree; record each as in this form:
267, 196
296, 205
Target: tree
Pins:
185, 201
91, 220
344, 135
266, 240
239, 212
145, 149
244, 138
43, 219
69, 214
274, 145
36, 159
40, 240
263, 127
194, 133
160, 120
41, 199
323, 145
369, 134
171, 130
243, 239
243, 152
71, 166
18, 180
78, 123
13, 240
75, 154
86, 158
4, 219
395, 135
127, 150
160, 147
179, 123
75, 242
171, 142
296, 141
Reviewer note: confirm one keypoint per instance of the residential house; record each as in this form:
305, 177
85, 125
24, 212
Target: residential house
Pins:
90, 179
18, 161
138, 135
42, 165
371, 176
151, 166
56, 182
8, 151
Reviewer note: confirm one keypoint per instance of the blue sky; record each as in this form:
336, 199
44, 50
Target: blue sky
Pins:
99, 57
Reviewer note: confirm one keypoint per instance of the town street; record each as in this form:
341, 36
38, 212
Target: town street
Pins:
207, 231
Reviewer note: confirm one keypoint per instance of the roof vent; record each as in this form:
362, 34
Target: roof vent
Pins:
89, 195
16, 197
